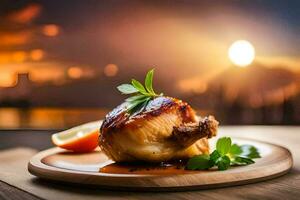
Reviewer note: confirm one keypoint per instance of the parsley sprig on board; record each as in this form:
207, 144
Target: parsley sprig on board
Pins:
225, 155
141, 94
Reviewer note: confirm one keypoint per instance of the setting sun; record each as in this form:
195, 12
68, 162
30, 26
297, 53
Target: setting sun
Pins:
241, 53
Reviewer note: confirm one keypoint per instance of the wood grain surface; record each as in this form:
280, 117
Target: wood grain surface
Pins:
57, 164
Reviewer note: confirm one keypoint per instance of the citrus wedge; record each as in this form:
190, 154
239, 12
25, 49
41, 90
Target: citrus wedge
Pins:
82, 138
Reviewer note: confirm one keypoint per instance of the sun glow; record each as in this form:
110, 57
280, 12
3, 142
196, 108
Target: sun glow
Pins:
241, 53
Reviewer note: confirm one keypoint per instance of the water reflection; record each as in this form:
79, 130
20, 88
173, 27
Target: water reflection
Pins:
47, 118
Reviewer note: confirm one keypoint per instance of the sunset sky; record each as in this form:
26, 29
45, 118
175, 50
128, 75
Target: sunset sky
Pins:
185, 41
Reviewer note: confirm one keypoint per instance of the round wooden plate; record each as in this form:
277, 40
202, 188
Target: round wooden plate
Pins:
60, 165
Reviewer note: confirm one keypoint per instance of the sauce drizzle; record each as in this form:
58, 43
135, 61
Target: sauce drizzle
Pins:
163, 168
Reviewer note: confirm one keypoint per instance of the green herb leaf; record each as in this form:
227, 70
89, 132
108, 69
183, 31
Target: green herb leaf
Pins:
136, 104
139, 86
214, 156
127, 89
135, 98
235, 150
142, 94
225, 155
223, 163
199, 162
223, 145
148, 82
249, 151
239, 160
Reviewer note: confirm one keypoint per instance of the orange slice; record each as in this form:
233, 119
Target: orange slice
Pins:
82, 138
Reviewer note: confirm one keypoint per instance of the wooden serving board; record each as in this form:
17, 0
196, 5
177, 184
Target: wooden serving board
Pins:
60, 165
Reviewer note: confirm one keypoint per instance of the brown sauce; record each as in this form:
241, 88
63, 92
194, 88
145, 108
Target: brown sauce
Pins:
176, 167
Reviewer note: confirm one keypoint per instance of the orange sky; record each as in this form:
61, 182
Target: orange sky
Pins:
187, 44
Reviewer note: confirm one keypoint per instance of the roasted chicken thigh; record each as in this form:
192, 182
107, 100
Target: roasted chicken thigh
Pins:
165, 129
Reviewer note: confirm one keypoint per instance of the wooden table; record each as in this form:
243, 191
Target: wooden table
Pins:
285, 187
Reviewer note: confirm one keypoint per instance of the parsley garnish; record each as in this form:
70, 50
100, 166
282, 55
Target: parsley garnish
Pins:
141, 94
225, 155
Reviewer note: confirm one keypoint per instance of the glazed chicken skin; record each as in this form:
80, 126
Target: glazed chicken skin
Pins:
166, 129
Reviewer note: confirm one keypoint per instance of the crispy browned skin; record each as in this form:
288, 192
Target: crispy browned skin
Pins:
155, 133
118, 118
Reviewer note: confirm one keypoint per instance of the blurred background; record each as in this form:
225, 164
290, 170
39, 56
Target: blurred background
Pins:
60, 61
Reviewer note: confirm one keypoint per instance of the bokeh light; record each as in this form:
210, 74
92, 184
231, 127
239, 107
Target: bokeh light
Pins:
111, 70
50, 30
8, 79
37, 54
19, 56
26, 14
75, 72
